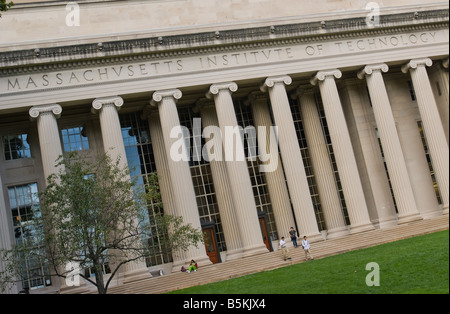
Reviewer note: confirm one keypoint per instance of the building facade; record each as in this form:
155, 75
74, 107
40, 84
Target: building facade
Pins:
356, 93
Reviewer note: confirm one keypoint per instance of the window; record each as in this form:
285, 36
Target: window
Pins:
74, 139
430, 162
25, 208
16, 146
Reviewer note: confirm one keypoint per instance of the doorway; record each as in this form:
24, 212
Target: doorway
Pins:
209, 236
265, 234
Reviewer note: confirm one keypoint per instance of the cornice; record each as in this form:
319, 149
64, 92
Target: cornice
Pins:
155, 48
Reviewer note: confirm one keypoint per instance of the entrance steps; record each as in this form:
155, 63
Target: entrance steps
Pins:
273, 260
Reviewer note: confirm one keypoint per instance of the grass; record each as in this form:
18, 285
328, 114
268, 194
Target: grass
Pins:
418, 265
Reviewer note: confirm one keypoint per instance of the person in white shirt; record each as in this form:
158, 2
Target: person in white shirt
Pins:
307, 248
284, 249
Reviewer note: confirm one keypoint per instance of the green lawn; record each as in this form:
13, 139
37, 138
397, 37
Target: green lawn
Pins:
415, 265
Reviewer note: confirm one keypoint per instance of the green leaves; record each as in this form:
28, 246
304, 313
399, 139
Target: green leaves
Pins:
93, 213
4, 6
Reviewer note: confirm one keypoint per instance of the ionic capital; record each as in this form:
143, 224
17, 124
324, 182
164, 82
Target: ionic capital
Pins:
214, 89
271, 81
369, 69
445, 63
322, 75
98, 103
413, 64
55, 109
158, 96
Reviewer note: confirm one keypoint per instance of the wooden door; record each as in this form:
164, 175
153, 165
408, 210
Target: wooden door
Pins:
210, 245
265, 234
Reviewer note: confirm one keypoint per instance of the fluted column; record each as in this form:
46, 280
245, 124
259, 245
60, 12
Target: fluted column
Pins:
180, 174
5, 236
161, 160
241, 187
343, 151
395, 161
113, 144
432, 125
276, 182
49, 139
377, 192
162, 167
292, 157
323, 171
107, 108
221, 181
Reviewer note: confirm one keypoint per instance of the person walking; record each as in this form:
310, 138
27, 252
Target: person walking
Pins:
307, 248
293, 235
284, 249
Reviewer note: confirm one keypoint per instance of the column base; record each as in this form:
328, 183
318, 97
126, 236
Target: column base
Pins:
402, 219
315, 237
255, 250
387, 222
337, 232
432, 213
234, 254
136, 275
361, 228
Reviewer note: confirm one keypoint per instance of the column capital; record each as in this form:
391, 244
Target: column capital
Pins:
55, 109
414, 63
158, 96
369, 69
271, 81
322, 75
215, 88
98, 103
445, 63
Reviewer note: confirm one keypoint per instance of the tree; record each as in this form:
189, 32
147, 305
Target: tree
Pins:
94, 216
5, 6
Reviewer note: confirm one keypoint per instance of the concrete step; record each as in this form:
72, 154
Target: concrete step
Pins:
273, 260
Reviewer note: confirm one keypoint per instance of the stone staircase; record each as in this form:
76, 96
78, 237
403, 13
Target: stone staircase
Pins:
273, 260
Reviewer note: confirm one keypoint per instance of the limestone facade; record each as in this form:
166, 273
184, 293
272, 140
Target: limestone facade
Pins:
358, 96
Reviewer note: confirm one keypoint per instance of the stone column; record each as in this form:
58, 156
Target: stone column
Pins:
180, 175
5, 235
432, 125
276, 182
49, 139
162, 167
107, 108
406, 116
240, 183
161, 160
221, 181
378, 193
398, 173
323, 171
343, 151
292, 157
